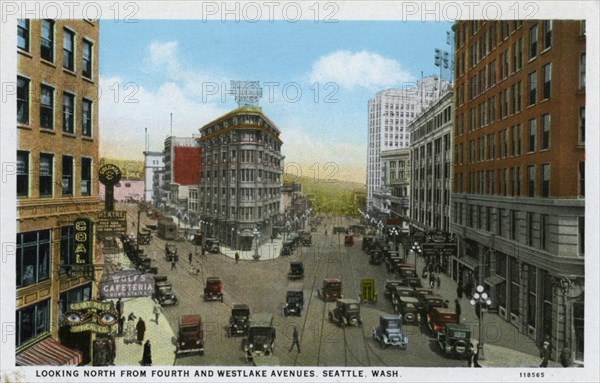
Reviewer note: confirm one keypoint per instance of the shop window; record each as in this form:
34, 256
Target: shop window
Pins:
32, 322
33, 257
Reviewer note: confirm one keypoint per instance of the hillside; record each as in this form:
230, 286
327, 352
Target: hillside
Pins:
130, 170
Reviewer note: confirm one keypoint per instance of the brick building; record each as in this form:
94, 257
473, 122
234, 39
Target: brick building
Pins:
519, 172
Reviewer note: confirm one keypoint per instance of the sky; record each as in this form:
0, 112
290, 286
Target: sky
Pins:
317, 79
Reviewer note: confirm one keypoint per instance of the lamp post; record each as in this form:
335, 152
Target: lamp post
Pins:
256, 237
481, 298
394, 231
416, 248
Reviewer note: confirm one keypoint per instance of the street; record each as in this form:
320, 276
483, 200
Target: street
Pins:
262, 285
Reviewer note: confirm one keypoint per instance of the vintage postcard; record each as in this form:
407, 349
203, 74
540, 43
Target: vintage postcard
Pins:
299, 191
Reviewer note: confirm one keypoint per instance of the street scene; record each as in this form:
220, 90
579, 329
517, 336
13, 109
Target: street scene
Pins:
345, 196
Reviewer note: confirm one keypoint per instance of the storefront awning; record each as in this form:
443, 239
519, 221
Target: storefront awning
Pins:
246, 233
493, 280
48, 352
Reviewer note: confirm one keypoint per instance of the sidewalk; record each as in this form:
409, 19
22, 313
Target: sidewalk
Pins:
162, 337
504, 345
267, 251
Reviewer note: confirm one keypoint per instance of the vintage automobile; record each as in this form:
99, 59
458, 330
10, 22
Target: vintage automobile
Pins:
171, 252
390, 287
330, 290
406, 270
198, 238
190, 336
163, 291
294, 301
412, 282
454, 340
391, 263
346, 313
349, 240
421, 292
261, 336
389, 332
375, 257
305, 238
368, 292
439, 317
287, 248
144, 264
239, 321
401, 291
366, 243
296, 270
212, 245
407, 309
340, 229
431, 302
144, 237
214, 289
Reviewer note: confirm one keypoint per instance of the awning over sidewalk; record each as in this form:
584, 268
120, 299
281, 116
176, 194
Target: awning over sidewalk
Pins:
493, 280
48, 352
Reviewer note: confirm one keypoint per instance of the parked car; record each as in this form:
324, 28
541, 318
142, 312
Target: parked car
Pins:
305, 238
144, 264
214, 289
349, 240
190, 335
375, 257
144, 237
421, 293
261, 336
287, 248
454, 340
390, 287
239, 321
346, 313
198, 238
294, 301
340, 229
296, 270
330, 290
212, 245
439, 317
389, 332
408, 310
401, 291
429, 303
163, 291
366, 242
368, 292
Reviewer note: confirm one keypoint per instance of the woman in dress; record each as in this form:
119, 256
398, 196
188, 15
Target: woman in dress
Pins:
130, 330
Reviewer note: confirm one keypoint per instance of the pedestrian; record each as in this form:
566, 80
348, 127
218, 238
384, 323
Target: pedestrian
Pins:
431, 280
476, 357
147, 355
190, 257
157, 310
438, 281
478, 310
237, 257
459, 291
295, 340
120, 324
457, 309
468, 289
173, 266
112, 350
424, 273
130, 333
545, 353
141, 330
119, 307
203, 251
469, 354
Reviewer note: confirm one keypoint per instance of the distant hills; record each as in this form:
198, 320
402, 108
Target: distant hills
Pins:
130, 169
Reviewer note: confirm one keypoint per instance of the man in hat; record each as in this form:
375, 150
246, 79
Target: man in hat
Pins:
545, 353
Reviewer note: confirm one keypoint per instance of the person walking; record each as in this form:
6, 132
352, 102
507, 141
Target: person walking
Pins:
545, 354
203, 251
156, 311
457, 309
147, 355
432, 280
459, 291
112, 350
469, 355
237, 257
173, 266
119, 307
130, 333
120, 323
476, 357
190, 257
438, 281
141, 330
295, 340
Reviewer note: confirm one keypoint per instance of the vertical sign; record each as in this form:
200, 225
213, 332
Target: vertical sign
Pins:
83, 241
109, 175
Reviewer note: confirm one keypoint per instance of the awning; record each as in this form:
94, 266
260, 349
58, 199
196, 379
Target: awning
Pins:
246, 233
48, 352
493, 280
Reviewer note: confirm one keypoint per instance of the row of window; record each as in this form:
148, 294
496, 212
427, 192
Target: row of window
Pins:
48, 105
242, 213
48, 41
44, 170
245, 156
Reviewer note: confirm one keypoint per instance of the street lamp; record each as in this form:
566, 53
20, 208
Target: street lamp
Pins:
480, 300
416, 248
394, 231
256, 233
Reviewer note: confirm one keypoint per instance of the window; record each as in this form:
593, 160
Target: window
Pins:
547, 70
513, 224
33, 257
546, 180
505, 102
533, 40
32, 322
67, 175
492, 106
86, 58
531, 180
532, 132
68, 108
518, 59
78, 294
46, 174
22, 173
500, 222
22, 100
23, 34
505, 29
582, 71
581, 234
547, 34
516, 135
69, 49
532, 78
517, 98
47, 47
67, 245
517, 190
545, 131
582, 178
47, 107
582, 125
86, 176
543, 231
86, 118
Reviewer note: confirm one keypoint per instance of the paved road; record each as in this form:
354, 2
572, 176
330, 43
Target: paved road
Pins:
262, 285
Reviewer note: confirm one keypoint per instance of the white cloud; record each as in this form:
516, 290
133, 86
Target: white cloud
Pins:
358, 69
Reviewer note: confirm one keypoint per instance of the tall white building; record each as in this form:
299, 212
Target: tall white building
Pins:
153, 161
390, 113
